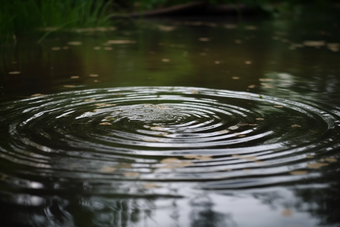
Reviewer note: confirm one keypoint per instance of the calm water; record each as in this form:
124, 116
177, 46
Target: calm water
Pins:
173, 123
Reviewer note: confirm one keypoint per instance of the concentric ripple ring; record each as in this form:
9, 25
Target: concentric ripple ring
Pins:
214, 139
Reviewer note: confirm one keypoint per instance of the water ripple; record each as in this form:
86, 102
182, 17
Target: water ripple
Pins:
116, 138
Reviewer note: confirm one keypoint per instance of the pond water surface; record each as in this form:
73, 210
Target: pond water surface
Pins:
173, 123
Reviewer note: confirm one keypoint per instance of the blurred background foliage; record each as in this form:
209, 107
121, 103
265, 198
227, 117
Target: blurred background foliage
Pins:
22, 17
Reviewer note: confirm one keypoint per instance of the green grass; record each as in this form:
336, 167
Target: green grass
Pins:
24, 17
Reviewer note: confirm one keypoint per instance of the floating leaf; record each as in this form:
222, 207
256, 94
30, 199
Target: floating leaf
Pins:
36, 95
74, 43
287, 213
131, 174
296, 126
14, 72
259, 119
166, 28
277, 106
157, 128
165, 60
170, 160
107, 169
314, 43
298, 172
230, 26
121, 42
250, 28
203, 39
248, 62
69, 86
89, 100
105, 123
93, 75
330, 159
316, 165
74, 77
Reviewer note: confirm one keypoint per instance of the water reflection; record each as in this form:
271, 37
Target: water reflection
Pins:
106, 153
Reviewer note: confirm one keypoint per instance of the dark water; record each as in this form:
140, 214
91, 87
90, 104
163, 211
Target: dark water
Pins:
173, 123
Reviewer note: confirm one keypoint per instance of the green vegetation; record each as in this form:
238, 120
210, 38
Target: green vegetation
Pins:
22, 17
26, 16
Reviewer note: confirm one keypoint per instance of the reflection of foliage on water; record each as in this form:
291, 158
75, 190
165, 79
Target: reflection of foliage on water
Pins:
203, 215
318, 195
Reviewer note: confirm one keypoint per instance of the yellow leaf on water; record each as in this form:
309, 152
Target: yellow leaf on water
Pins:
69, 86
131, 174
170, 160
36, 95
330, 159
157, 128
74, 43
89, 100
277, 106
166, 28
121, 42
265, 79
107, 169
287, 213
190, 156
248, 62
14, 72
74, 77
310, 43
296, 126
105, 123
259, 119
316, 165
298, 172
93, 75
165, 60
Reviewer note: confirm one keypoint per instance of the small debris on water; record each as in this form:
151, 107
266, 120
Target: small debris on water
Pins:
296, 126
36, 95
203, 39
121, 42
131, 174
316, 165
93, 75
105, 123
14, 72
165, 60
298, 172
74, 43
107, 169
74, 77
151, 185
287, 213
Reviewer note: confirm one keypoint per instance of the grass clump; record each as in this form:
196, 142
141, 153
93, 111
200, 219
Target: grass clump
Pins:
23, 17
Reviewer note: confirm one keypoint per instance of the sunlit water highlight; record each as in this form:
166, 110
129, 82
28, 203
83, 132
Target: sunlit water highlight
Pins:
154, 140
